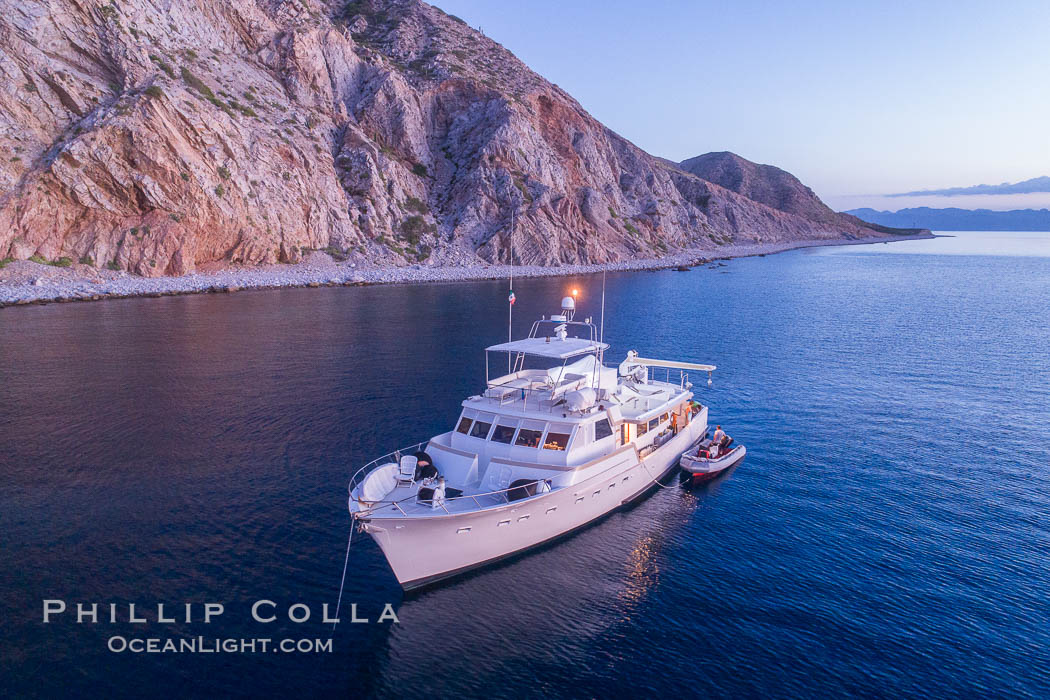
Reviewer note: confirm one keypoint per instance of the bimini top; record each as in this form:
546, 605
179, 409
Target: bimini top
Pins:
556, 348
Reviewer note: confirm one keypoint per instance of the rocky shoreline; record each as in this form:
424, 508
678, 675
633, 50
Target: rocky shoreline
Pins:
24, 282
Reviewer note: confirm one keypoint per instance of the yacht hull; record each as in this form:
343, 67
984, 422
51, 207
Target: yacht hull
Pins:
422, 551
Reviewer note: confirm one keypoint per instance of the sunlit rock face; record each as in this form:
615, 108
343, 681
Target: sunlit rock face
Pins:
156, 137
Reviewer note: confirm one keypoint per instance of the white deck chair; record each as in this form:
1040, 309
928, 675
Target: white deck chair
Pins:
407, 472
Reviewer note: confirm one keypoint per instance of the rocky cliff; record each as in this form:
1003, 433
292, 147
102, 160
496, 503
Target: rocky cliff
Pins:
764, 184
160, 135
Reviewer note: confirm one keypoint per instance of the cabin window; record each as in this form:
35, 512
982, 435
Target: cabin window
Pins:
503, 433
558, 436
464, 425
643, 428
530, 433
480, 429
602, 429
653, 423
556, 441
528, 438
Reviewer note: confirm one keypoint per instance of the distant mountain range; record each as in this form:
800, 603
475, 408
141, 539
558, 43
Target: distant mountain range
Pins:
954, 219
1036, 184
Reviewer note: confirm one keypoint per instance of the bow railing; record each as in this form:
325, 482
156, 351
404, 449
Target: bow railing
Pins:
498, 497
391, 457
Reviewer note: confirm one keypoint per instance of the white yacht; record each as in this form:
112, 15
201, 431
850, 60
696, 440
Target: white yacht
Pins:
556, 442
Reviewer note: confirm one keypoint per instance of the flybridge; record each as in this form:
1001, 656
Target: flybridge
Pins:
544, 389
549, 339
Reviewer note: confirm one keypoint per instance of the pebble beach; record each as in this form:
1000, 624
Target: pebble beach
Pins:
23, 282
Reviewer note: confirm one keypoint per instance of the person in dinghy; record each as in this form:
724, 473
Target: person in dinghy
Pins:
720, 442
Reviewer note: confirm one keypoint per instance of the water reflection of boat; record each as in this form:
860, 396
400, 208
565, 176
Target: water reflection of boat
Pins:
530, 616
556, 443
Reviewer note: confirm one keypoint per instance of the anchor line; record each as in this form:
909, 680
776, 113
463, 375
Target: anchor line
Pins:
346, 561
655, 481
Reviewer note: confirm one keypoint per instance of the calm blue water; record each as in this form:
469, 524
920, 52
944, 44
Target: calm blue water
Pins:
888, 534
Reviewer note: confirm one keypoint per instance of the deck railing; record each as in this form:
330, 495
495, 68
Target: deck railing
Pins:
391, 457
502, 496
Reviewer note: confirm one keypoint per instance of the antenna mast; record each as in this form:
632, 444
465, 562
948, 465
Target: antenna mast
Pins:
601, 335
510, 297
510, 306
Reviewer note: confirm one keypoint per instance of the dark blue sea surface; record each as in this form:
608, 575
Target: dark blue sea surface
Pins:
888, 534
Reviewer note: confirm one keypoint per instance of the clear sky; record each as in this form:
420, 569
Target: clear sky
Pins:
856, 99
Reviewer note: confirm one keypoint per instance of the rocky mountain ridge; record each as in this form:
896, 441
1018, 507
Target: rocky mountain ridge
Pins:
161, 136
765, 184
